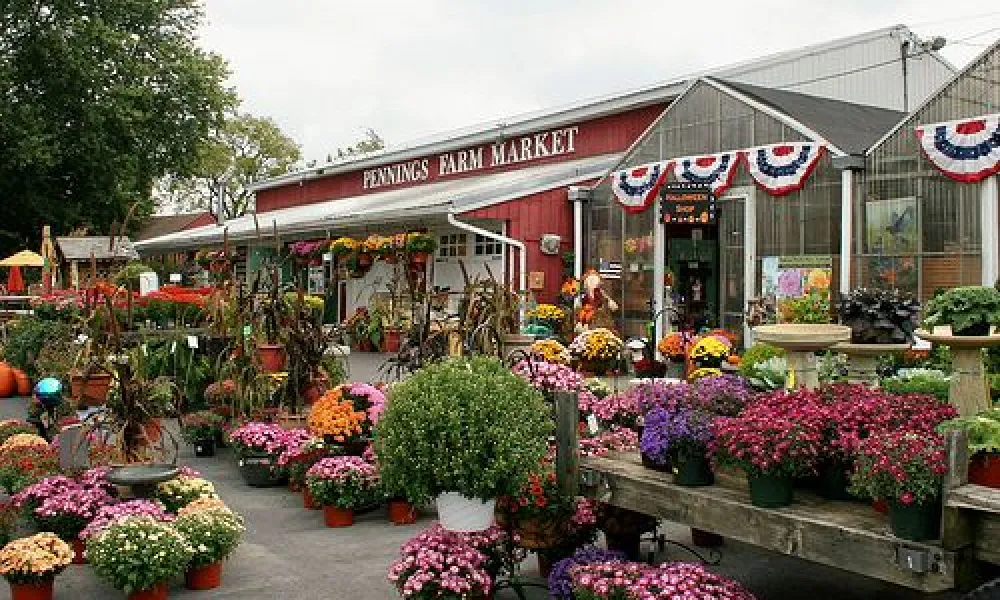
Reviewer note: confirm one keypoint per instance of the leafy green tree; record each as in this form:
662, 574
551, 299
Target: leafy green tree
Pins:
98, 100
371, 143
244, 150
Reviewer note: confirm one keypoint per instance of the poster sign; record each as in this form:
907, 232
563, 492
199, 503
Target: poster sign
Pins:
891, 226
688, 203
795, 276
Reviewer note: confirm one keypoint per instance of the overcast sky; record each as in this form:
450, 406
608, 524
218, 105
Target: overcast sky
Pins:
328, 69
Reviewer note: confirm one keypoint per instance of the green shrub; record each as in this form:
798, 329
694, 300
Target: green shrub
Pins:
27, 337
463, 425
919, 381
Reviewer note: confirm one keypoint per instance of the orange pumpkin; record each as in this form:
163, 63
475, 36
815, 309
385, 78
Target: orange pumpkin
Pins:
22, 382
8, 385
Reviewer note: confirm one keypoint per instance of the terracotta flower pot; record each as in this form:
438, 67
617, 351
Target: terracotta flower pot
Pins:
314, 390
31, 591
402, 512
272, 357
419, 258
338, 517
78, 547
90, 391
880, 506
393, 340
984, 469
157, 592
208, 577
307, 499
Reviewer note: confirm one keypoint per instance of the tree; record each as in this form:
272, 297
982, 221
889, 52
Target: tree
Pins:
244, 150
98, 100
371, 143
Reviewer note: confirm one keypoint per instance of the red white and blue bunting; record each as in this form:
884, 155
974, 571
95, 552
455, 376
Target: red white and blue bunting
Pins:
636, 189
716, 170
781, 169
967, 150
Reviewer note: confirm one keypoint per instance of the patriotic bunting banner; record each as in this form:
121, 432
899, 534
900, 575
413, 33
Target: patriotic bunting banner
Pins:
716, 171
967, 151
636, 189
782, 169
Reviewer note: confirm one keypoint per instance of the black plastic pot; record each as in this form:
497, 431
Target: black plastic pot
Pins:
204, 448
915, 522
769, 491
261, 470
693, 471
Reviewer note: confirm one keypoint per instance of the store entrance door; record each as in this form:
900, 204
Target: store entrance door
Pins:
692, 261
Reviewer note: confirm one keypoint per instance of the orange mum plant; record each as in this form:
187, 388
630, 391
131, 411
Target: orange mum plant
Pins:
335, 416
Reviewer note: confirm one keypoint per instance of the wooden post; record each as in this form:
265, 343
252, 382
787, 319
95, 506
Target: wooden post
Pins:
567, 445
956, 524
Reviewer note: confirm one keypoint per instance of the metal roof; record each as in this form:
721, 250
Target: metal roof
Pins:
587, 109
99, 247
851, 127
159, 225
392, 208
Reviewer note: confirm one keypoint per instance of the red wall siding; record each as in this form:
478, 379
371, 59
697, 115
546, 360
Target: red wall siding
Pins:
201, 221
528, 219
605, 135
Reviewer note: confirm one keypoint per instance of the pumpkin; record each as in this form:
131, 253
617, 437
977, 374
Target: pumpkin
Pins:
8, 385
22, 382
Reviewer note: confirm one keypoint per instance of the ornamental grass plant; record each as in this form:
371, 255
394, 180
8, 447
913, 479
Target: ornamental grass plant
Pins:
462, 425
213, 534
138, 553
35, 559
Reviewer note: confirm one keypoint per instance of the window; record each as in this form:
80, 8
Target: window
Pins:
453, 245
488, 247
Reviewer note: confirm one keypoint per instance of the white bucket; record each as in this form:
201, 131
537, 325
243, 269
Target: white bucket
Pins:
458, 513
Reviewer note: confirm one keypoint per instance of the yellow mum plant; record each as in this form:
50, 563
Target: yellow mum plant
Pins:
23, 440
34, 559
551, 351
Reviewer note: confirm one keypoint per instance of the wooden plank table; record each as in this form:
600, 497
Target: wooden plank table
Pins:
846, 535
982, 507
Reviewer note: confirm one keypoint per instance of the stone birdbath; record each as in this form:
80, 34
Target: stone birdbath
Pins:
800, 343
141, 479
969, 392
862, 366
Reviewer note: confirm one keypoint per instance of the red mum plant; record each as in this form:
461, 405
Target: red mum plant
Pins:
772, 436
903, 467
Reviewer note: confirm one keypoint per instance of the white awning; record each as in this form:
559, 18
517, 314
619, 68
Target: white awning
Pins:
412, 206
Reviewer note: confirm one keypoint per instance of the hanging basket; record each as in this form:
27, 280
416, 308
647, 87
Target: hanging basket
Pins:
459, 513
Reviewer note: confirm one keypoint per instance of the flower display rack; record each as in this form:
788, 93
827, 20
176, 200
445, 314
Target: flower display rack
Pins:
846, 535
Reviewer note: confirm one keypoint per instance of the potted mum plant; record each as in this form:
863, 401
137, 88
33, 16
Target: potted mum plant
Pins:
597, 351
66, 511
907, 470
679, 437
139, 555
30, 565
983, 431
342, 484
201, 429
182, 490
213, 535
461, 431
340, 423
773, 443
970, 310
455, 568
258, 446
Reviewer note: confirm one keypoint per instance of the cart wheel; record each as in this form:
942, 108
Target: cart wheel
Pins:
987, 591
